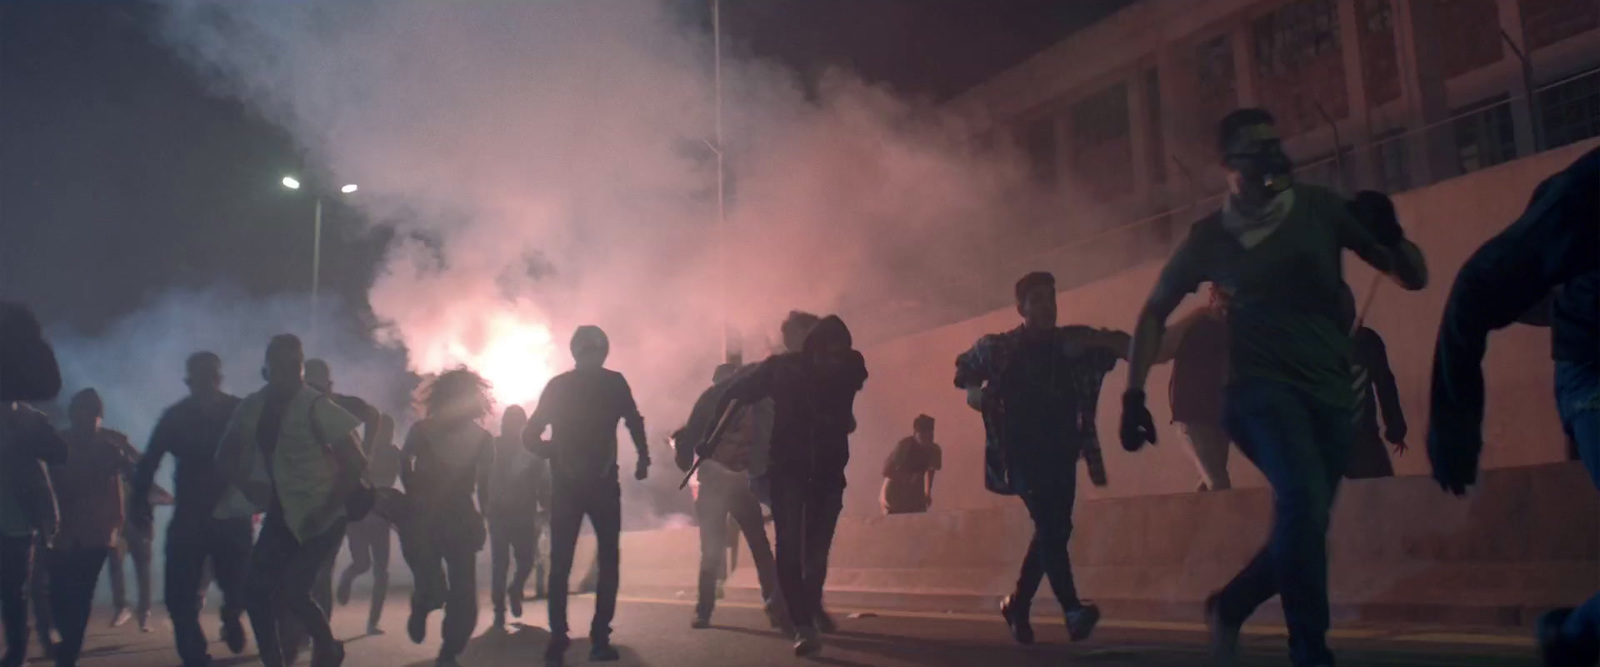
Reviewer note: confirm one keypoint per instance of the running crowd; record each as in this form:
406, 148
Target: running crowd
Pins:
268, 487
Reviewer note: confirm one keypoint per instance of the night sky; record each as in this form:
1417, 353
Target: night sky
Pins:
121, 177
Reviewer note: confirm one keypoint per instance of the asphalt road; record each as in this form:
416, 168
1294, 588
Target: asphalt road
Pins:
656, 633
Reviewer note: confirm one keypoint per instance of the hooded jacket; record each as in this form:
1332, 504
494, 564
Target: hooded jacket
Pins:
813, 393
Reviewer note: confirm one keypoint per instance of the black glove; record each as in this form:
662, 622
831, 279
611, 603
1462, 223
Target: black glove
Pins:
1453, 453
642, 470
1376, 211
1395, 435
1138, 427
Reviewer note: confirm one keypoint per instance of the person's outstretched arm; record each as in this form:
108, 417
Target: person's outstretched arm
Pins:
635, 424
1182, 275
1394, 418
1555, 239
1369, 226
543, 415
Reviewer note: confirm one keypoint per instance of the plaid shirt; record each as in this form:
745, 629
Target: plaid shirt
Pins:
1039, 401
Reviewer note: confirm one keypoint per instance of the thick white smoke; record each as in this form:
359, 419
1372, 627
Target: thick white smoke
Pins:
547, 164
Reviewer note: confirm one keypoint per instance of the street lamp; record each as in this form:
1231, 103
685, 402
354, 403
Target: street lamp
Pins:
293, 183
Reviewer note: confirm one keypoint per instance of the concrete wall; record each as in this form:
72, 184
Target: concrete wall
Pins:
1448, 220
1528, 539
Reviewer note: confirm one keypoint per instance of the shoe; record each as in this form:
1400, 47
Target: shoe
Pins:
233, 633
332, 656
603, 651
514, 599
144, 622
556, 651
417, 626
825, 623
121, 618
1016, 616
721, 591
778, 619
1554, 650
1081, 621
540, 594
700, 622
342, 596
806, 643
375, 631
1224, 636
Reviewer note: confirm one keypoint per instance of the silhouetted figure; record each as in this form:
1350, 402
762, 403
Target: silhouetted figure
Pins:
197, 542
89, 491
28, 516
291, 451
582, 407
1374, 382
724, 494
135, 544
1276, 250
370, 538
909, 470
518, 515
813, 393
447, 457
1038, 387
1197, 346
28, 370
1556, 242
319, 376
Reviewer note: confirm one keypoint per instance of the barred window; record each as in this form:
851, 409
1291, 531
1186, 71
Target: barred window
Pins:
1570, 111
1484, 134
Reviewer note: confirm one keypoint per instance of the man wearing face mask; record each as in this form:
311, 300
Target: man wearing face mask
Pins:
1276, 250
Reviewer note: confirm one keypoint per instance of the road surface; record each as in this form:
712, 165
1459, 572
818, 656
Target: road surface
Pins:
656, 633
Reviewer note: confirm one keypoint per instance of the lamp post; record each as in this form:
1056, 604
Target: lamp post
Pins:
293, 183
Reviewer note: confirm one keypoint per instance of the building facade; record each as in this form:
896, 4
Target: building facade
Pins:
1379, 94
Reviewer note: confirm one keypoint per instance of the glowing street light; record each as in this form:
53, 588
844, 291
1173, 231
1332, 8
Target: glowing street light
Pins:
316, 242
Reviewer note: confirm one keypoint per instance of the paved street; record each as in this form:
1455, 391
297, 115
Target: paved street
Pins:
656, 633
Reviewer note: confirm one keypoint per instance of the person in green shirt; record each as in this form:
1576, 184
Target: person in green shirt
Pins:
1276, 250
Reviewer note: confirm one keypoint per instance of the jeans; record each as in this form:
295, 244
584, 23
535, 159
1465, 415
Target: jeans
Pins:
444, 565
514, 538
725, 493
1302, 446
73, 575
16, 569
369, 550
138, 547
1050, 506
601, 501
283, 572
1208, 445
805, 512
192, 543
1578, 399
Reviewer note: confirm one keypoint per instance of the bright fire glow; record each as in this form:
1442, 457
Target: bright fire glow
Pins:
291, 183
517, 355
349, 188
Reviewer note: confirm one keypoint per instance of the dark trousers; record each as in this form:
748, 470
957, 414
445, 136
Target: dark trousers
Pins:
1578, 399
283, 571
193, 546
73, 575
601, 501
16, 569
44, 619
1049, 504
805, 512
514, 539
1369, 457
369, 550
137, 547
444, 566
724, 493
1301, 445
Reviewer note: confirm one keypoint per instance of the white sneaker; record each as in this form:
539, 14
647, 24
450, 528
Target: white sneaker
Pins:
121, 618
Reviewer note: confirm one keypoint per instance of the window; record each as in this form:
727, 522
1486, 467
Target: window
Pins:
1379, 63
1393, 172
1469, 35
1039, 142
1322, 170
1156, 144
1570, 111
1484, 135
1549, 21
1379, 16
1301, 31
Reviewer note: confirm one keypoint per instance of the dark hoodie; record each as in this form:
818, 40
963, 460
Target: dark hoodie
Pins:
813, 393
